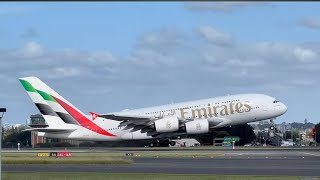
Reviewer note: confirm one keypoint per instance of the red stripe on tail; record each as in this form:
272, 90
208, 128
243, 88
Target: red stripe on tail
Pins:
84, 121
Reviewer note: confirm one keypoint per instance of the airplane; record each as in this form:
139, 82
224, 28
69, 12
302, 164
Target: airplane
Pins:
65, 121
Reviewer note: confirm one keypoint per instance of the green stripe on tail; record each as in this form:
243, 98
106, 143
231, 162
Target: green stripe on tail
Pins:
27, 86
46, 96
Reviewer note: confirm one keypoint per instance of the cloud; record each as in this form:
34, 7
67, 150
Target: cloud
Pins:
155, 61
164, 46
101, 57
31, 50
63, 72
33, 59
55, 73
95, 91
162, 37
214, 36
244, 63
305, 55
163, 63
163, 41
225, 7
311, 22
284, 52
151, 57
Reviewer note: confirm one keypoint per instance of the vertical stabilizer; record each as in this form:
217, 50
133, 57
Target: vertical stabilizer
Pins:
51, 117
55, 108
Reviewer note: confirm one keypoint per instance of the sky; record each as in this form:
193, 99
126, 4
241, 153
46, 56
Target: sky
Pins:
109, 56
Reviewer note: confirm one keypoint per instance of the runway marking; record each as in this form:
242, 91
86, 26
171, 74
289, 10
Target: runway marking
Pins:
311, 154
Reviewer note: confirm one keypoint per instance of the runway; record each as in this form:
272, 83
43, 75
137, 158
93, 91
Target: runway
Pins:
266, 163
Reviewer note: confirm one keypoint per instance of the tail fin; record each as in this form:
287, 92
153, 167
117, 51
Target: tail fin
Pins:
51, 117
56, 106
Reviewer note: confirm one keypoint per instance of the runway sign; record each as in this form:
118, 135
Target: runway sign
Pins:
54, 154
43, 154
231, 138
64, 154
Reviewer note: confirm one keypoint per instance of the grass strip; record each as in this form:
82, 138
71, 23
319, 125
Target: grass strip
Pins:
64, 160
177, 155
133, 176
122, 155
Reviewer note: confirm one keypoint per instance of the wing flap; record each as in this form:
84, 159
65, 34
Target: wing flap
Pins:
130, 121
123, 117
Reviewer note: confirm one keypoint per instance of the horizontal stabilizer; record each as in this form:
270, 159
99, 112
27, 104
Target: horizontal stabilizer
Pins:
49, 130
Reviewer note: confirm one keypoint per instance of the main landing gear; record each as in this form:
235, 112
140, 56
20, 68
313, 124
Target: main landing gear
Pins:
164, 143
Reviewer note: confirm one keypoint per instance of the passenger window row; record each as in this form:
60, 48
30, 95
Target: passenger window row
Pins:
191, 107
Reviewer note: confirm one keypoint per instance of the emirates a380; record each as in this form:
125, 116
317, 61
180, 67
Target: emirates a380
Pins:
65, 121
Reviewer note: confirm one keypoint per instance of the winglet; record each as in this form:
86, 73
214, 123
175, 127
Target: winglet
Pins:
94, 115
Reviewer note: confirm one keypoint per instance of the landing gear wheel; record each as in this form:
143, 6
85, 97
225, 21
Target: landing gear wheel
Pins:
172, 143
165, 143
151, 144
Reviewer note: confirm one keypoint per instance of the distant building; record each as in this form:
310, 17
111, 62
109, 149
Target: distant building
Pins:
283, 127
36, 139
186, 142
37, 121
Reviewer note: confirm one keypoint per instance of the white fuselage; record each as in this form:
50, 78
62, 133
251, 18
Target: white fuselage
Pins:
221, 111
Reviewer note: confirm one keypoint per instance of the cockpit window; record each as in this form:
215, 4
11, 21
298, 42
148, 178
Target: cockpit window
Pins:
275, 101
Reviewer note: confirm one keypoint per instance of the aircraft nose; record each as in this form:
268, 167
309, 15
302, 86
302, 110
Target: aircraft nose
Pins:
283, 108
280, 108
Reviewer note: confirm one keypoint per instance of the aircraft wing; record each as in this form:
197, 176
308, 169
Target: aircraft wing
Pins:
133, 122
124, 117
144, 123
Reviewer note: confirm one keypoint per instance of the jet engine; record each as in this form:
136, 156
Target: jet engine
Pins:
167, 124
197, 126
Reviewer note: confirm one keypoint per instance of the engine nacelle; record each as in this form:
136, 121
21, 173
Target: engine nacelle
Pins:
197, 126
167, 124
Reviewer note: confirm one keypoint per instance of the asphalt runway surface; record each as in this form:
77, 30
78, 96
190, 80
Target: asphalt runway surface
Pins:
265, 163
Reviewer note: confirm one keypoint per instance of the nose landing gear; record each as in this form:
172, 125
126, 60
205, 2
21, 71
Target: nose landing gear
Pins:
272, 129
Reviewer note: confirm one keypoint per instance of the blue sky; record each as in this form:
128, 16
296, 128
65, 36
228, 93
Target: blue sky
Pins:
110, 56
